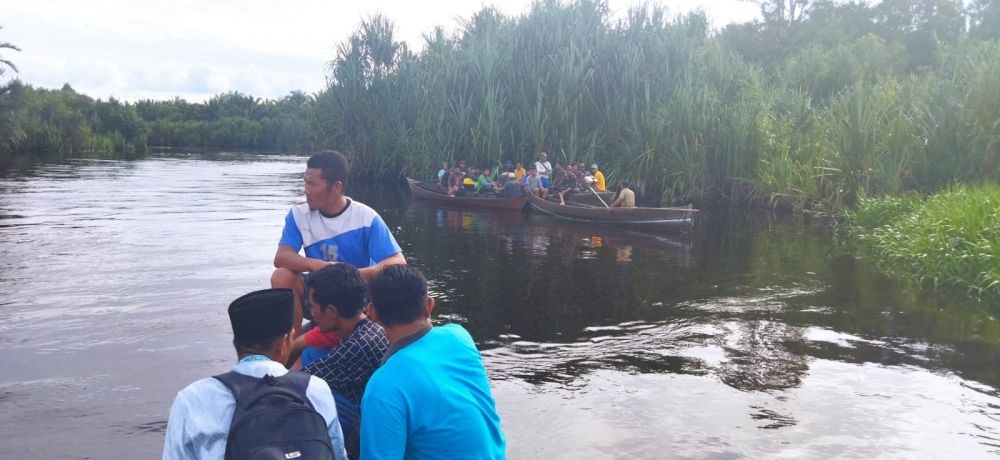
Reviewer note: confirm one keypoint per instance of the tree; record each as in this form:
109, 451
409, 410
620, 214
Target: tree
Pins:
986, 19
4, 63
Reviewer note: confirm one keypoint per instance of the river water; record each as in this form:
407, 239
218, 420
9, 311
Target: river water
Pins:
748, 339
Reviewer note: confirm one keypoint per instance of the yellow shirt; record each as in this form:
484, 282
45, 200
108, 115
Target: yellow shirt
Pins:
599, 176
519, 173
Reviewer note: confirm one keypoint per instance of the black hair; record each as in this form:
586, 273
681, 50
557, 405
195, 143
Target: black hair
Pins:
398, 294
333, 164
340, 285
260, 346
626, 183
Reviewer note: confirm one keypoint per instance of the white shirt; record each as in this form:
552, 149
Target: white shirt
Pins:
198, 427
544, 168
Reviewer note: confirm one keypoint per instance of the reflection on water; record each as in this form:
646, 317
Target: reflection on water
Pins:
749, 339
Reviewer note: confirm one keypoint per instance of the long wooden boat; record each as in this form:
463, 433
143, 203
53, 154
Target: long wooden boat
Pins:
438, 194
655, 219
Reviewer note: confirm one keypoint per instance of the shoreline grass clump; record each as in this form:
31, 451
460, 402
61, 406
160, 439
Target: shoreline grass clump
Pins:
948, 240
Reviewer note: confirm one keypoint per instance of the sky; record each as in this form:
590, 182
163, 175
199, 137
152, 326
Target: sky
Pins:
193, 49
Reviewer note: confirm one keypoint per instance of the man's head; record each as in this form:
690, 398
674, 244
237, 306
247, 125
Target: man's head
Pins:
262, 323
325, 178
338, 292
544, 156
519, 165
486, 172
399, 296
593, 167
444, 165
532, 171
626, 184
461, 163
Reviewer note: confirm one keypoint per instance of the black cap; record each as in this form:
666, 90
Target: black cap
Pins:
262, 315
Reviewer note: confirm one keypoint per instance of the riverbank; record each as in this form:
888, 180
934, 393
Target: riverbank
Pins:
948, 240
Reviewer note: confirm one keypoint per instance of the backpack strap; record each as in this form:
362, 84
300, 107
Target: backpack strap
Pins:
244, 387
238, 384
299, 383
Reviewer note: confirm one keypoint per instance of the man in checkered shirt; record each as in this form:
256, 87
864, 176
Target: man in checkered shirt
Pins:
338, 295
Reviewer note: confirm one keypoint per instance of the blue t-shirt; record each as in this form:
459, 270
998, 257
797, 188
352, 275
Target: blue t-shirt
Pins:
431, 399
357, 235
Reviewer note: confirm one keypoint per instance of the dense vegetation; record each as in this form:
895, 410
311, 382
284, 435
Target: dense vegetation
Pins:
816, 105
950, 239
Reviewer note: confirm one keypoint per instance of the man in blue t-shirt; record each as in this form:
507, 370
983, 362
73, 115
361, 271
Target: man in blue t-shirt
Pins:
431, 397
332, 228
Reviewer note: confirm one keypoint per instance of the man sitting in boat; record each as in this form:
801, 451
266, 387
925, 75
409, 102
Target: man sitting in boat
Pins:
469, 182
519, 172
599, 183
338, 295
484, 183
431, 397
626, 197
569, 182
510, 188
443, 174
329, 228
455, 179
533, 184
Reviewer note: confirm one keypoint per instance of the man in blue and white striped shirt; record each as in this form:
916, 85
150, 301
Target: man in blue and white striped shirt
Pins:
332, 228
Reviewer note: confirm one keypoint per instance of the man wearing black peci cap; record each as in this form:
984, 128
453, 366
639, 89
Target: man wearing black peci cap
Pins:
200, 419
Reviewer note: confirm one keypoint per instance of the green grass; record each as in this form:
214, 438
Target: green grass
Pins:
949, 240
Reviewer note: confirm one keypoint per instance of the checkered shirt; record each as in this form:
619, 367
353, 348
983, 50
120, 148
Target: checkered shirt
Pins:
348, 366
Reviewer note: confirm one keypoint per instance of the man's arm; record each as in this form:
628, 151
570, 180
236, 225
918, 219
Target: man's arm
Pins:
617, 202
289, 258
395, 259
176, 445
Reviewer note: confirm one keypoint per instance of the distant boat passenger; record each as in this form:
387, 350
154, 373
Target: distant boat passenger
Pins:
519, 172
626, 197
443, 174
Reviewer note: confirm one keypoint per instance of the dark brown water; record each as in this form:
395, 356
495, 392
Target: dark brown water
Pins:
750, 339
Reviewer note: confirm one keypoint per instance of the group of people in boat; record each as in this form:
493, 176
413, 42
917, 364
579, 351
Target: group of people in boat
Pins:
367, 376
512, 180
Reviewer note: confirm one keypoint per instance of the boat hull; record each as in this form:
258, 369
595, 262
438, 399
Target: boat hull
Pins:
436, 194
648, 219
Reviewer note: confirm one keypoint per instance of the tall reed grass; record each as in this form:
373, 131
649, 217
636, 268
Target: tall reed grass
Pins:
663, 100
951, 239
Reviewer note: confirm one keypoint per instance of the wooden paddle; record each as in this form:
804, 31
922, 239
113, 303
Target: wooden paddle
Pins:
597, 195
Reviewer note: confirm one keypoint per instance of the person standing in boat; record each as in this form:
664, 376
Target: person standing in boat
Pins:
626, 197
544, 169
332, 228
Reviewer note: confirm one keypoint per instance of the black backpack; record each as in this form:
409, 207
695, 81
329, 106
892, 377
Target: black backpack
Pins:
274, 420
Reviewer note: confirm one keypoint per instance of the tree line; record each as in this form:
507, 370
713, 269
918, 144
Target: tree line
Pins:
814, 105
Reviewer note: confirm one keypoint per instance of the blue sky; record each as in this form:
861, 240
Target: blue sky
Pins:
156, 49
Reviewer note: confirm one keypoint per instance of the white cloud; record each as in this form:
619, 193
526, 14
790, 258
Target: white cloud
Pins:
193, 49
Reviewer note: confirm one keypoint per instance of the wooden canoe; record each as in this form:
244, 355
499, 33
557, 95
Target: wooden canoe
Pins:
587, 198
655, 219
438, 194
